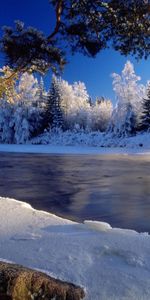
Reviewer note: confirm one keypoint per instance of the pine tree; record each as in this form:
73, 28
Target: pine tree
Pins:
145, 117
41, 94
41, 87
6, 124
129, 126
53, 112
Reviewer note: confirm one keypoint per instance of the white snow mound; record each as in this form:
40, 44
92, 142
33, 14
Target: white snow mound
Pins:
96, 225
111, 264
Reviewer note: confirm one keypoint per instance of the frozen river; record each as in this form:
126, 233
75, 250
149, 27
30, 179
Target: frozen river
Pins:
110, 188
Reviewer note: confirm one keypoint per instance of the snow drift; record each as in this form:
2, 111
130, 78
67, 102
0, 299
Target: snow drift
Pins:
109, 263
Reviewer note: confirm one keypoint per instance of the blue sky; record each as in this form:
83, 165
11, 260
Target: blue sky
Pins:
96, 73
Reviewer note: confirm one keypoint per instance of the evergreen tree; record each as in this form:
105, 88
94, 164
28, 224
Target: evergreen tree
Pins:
6, 124
145, 117
53, 112
40, 92
129, 126
41, 95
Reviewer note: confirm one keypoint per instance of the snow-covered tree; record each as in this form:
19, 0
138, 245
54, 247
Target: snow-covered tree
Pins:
41, 95
129, 125
20, 118
26, 122
145, 117
81, 106
28, 88
75, 104
129, 94
6, 126
21, 125
53, 111
78, 110
8, 84
27, 115
66, 94
101, 114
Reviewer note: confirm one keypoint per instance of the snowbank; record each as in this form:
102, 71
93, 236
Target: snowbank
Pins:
57, 149
109, 263
82, 143
74, 150
92, 139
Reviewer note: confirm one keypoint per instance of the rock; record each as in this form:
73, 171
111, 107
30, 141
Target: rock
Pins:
20, 283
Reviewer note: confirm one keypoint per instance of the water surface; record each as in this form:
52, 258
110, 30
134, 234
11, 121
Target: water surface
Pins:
110, 188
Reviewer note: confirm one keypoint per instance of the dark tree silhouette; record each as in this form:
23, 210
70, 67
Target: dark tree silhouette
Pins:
145, 118
85, 25
53, 117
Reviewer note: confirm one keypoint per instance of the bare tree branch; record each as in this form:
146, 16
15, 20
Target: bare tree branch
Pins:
58, 19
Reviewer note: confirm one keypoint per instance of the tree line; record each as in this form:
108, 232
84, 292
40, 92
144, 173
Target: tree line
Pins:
28, 110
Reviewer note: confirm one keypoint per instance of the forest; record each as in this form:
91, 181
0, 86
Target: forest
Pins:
28, 110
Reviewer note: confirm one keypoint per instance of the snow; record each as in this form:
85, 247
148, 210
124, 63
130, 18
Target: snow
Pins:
129, 95
96, 225
109, 263
55, 149
67, 143
94, 142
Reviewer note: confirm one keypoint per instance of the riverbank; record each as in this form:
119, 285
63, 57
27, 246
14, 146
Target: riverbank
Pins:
96, 140
108, 263
61, 149
82, 143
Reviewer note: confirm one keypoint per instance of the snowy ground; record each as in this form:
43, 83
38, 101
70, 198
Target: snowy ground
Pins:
75, 149
93, 139
108, 263
61, 149
81, 143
